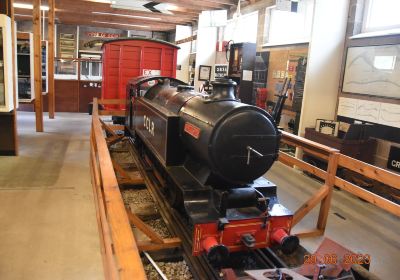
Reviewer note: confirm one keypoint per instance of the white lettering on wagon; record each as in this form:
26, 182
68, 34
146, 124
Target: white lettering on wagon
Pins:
148, 125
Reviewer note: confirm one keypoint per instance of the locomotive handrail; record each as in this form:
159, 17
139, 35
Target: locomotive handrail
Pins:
324, 195
121, 259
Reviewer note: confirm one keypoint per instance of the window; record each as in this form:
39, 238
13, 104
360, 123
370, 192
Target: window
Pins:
286, 27
242, 29
381, 15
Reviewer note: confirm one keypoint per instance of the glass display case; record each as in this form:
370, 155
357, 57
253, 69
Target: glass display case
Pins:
2, 85
66, 69
6, 67
25, 56
91, 66
44, 67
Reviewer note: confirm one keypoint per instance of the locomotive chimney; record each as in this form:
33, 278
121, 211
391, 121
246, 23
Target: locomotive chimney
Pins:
223, 89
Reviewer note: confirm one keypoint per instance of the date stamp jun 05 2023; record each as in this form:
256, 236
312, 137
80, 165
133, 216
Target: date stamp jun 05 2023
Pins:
347, 259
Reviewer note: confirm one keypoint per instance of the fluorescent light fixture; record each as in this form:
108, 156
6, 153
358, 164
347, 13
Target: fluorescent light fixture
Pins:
124, 24
101, 1
21, 15
128, 16
29, 6
172, 7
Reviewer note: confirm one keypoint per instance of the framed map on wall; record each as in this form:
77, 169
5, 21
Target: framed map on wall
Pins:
373, 70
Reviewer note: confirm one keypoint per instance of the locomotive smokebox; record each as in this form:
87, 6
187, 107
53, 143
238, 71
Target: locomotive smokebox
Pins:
236, 141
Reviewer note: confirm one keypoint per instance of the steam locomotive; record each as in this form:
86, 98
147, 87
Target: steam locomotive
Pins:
213, 151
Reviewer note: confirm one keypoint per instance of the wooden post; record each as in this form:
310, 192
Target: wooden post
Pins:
51, 55
330, 183
37, 45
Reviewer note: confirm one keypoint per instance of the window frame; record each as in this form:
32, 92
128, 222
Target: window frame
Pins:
365, 20
267, 31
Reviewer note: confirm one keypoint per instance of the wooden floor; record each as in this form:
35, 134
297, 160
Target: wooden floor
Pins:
47, 217
357, 225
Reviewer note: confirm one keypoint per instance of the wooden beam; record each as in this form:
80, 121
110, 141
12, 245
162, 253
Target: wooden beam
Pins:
95, 7
112, 102
168, 243
125, 248
128, 179
65, 15
37, 43
75, 6
310, 204
384, 176
285, 158
115, 25
330, 183
143, 227
119, 113
110, 270
120, 25
252, 7
368, 196
51, 55
311, 233
93, 18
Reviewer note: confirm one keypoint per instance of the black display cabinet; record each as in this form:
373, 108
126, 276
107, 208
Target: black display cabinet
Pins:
241, 69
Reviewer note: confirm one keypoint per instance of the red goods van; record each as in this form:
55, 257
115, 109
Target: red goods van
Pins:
124, 59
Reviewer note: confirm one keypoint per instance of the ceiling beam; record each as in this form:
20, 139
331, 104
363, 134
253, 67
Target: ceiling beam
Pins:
163, 28
65, 15
81, 12
79, 4
112, 19
83, 19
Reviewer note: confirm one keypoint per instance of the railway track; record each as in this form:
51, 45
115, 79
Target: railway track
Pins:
200, 268
177, 225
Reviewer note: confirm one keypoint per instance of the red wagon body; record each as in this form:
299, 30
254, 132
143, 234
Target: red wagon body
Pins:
124, 59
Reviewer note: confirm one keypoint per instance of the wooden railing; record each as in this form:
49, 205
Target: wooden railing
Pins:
323, 196
120, 252
121, 259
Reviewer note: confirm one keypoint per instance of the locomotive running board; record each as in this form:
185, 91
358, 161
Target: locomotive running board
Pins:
197, 197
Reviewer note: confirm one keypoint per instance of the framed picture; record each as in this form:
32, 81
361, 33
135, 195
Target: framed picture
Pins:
327, 127
67, 36
372, 70
204, 73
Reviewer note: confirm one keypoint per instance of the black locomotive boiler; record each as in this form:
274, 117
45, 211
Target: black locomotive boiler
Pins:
213, 151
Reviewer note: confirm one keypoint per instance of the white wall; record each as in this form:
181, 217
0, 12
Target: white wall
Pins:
183, 32
243, 29
324, 62
206, 50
